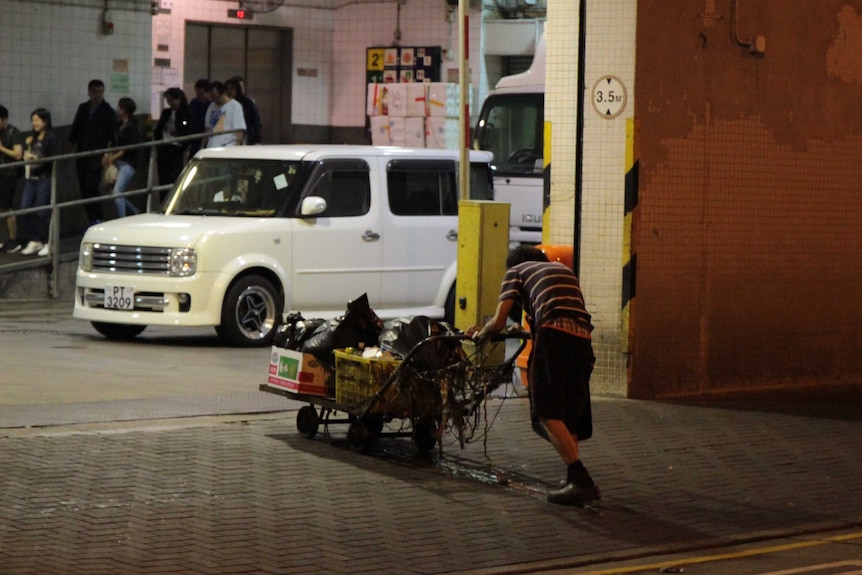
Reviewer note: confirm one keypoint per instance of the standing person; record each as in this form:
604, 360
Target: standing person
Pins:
11, 150
198, 111
92, 129
175, 122
561, 360
125, 160
236, 89
224, 114
37, 185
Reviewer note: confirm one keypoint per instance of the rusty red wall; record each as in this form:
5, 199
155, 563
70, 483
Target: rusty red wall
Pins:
748, 227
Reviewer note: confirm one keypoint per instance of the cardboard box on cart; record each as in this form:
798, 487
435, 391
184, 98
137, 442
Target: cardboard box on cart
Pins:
297, 372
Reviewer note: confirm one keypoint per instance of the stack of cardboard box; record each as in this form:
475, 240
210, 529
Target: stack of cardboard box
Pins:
416, 115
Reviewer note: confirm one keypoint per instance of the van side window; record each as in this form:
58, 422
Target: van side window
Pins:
347, 191
418, 188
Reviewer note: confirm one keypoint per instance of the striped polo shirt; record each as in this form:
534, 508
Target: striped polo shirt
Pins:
550, 294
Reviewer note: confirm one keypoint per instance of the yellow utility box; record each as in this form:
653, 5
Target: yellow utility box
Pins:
483, 244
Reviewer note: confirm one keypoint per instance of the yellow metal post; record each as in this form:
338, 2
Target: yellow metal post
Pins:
483, 239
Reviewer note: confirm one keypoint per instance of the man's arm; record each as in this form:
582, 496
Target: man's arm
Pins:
16, 152
496, 324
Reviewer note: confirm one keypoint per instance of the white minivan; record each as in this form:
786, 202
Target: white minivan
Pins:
250, 233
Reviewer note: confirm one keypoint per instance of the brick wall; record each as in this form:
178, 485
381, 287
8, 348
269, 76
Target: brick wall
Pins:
749, 220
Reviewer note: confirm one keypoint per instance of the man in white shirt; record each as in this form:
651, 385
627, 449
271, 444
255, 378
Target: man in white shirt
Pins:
223, 115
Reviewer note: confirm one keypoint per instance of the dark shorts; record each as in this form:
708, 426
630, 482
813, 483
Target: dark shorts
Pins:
559, 376
7, 192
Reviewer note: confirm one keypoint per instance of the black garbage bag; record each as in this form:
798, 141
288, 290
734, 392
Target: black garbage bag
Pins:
295, 330
360, 325
401, 335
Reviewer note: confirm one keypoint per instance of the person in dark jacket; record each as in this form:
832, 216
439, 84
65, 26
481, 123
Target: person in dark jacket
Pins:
92, 129
198, 111
235, 88
37, 184
561, 360
174, 122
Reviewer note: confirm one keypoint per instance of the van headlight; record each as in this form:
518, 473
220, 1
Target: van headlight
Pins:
184, 262
85, 257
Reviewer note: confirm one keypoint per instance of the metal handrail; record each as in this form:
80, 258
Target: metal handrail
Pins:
55, 207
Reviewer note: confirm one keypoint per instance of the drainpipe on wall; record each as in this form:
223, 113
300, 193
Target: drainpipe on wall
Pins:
579, 153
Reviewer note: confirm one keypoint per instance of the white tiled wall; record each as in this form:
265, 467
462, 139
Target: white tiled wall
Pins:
65, 48
610, 50
48, 53
332, 41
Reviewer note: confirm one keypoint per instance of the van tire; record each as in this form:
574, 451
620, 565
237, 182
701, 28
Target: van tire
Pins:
449, 307
118, 331
251, 312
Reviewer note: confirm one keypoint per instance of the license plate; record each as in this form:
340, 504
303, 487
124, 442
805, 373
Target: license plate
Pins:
119, 297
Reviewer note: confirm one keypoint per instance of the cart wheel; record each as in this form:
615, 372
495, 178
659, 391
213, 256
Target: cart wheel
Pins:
424, 434
307, 421
375, 425
359, 436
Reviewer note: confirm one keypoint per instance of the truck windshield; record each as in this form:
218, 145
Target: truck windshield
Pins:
232, 187
511, 126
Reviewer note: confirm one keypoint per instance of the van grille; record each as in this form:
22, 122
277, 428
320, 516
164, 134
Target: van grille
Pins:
131, 259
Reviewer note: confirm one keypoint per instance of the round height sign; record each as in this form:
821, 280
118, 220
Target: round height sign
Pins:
609, 97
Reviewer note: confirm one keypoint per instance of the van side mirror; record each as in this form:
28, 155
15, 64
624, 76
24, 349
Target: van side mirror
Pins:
312, 206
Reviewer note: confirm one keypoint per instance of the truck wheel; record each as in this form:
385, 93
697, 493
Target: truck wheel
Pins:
119, 331
250, 313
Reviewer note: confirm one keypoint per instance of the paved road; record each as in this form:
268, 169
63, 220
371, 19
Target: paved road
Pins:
157, 469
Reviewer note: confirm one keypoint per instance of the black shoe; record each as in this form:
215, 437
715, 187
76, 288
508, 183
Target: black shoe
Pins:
571, 494
13, 246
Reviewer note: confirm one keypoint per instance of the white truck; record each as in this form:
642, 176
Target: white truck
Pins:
511, 125
249, 233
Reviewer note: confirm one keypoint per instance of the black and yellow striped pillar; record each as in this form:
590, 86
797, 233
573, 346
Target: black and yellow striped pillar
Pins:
629, 256
546, 184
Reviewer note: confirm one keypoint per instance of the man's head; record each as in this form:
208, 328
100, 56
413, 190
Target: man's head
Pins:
217, 93
4, 118
523, 254
231, 88
202, 89
96, 91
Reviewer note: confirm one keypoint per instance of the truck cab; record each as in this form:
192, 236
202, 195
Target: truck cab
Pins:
511, 126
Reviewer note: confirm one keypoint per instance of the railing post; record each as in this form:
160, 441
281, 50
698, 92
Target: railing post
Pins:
54, 236
152, 177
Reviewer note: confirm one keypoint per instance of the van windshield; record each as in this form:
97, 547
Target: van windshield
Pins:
511, 126
232, 187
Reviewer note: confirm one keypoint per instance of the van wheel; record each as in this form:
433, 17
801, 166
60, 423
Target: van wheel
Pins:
449, 307
250, 313
118, 330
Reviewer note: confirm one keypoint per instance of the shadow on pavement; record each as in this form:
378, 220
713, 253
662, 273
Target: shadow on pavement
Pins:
827, 402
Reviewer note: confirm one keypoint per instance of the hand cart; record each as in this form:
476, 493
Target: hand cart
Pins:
372, 392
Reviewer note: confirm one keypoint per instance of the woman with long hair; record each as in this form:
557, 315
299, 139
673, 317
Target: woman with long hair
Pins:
37, 184
124, 160
174, 122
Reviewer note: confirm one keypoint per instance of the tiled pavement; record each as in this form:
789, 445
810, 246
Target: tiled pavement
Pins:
247, 494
